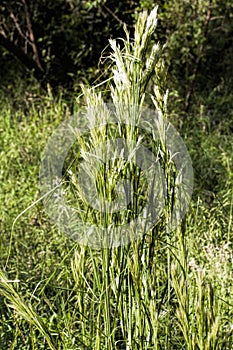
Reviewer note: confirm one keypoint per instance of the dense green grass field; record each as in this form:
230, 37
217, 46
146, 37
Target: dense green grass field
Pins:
165, 290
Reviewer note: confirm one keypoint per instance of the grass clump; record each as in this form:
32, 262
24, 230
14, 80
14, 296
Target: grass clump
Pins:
170, 288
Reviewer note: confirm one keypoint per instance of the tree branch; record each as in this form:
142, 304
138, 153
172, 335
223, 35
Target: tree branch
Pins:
18, 26
28, 62
31, 34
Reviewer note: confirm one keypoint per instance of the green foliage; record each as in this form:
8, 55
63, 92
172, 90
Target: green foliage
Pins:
198, 54
69, 38
71, 35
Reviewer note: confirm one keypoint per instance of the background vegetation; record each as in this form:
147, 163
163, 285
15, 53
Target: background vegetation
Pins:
61, 298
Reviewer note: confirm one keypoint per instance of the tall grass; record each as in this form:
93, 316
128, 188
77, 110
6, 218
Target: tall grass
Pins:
170, 288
